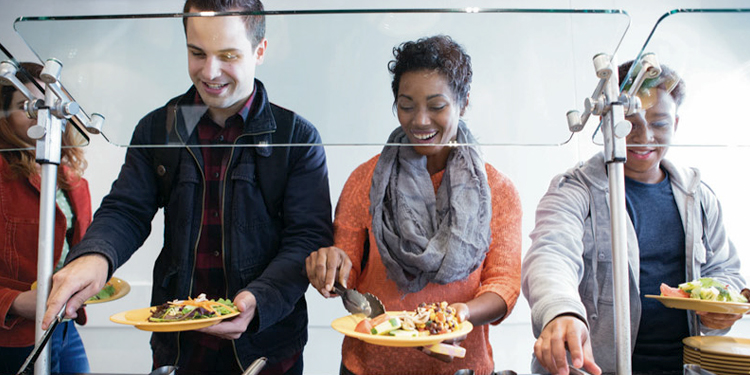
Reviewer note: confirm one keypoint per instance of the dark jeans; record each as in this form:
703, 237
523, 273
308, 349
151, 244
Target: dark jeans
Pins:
67, 353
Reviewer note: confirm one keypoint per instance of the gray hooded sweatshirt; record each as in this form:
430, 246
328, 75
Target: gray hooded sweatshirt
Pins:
568, 268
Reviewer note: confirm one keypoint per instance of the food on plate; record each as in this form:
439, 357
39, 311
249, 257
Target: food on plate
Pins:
427, 319
364, 326
106, 292
198, 308
706, 289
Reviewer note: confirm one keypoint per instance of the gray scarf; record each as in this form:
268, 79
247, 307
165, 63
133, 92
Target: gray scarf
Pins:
422, 237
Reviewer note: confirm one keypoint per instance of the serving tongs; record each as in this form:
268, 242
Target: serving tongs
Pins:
28, 365
358, 303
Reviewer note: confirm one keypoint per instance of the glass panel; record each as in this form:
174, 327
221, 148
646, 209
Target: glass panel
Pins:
707, 48
331, 66
14, 120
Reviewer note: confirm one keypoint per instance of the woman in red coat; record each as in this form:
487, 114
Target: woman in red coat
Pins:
19, 230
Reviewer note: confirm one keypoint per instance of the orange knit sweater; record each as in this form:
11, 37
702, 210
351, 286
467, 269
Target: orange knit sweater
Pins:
500, 273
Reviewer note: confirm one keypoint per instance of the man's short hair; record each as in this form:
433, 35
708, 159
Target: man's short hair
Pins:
254, 23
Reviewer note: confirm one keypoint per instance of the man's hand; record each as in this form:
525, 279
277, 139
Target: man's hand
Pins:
718, 321
233, 328
74, 284
563, 332
326, 265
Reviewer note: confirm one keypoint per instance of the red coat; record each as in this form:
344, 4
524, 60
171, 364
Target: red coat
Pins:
19, 231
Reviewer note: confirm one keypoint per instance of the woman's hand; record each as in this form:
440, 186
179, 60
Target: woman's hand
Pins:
326, 265
24, 305
486, 308
450, 348
462, 311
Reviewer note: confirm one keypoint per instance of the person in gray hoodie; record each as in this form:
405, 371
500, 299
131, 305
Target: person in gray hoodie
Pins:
675, 233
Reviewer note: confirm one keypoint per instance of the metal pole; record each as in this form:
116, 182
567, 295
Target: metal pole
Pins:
614, 130
48, 149
620, 267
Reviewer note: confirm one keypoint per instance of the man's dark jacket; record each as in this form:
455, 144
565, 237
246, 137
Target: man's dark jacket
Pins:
264, 248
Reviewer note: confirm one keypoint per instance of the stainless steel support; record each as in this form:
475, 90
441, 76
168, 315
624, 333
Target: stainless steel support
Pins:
48, 150
614, 129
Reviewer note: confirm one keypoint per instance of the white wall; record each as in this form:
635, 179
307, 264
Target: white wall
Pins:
524, 108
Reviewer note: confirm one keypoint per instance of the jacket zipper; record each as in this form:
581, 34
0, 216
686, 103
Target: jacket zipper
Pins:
223, 229
223, 239
200, 231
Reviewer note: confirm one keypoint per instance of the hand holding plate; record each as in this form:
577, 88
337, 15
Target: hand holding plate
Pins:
718, 320
232, 329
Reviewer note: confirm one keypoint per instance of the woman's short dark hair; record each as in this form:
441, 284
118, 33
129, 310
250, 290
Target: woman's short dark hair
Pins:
668, 80
439, 53
255, 24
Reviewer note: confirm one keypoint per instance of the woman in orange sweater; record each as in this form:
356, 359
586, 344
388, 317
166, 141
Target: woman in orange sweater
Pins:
19, 224
426, 220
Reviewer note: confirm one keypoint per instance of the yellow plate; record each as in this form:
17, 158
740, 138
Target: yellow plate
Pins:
122, 288
731, 347
139, 319
347, 324
701, 305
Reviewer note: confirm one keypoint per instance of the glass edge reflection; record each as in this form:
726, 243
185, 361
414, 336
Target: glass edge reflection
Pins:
324, 11
616, 12
673, 12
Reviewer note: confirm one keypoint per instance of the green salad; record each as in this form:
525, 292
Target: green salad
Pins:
106, 292
709, 289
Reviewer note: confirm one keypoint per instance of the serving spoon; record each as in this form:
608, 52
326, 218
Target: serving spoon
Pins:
358, 303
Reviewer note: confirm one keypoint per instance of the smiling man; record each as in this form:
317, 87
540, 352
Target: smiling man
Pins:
239, 220
675, 234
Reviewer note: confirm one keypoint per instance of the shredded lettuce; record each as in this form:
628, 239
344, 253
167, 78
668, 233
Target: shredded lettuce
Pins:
707, 288
106, 292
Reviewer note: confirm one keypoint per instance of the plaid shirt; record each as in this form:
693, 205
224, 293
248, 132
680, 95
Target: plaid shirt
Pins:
214, 355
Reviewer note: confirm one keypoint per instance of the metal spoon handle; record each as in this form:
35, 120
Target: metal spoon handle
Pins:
339, 289
256, 366
45, 338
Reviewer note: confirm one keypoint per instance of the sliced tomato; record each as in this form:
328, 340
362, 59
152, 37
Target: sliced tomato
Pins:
364, 326
380, 319
668, 291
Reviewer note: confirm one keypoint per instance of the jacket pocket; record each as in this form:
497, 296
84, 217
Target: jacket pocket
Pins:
598, 280
185, 195
248, 207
